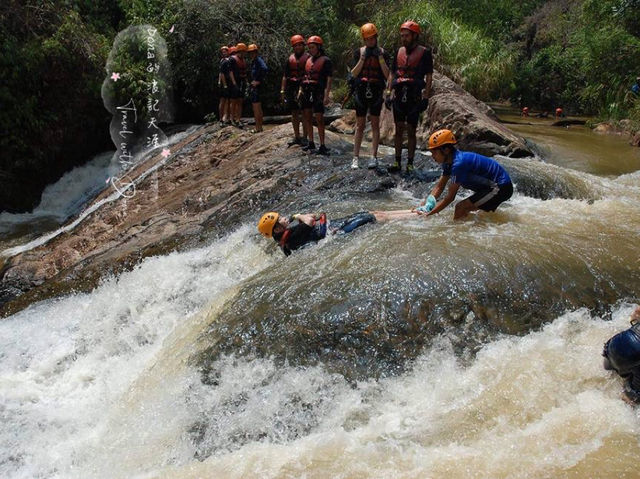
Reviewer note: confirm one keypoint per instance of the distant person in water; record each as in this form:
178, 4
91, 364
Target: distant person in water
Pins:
622, 355
560, 113
489, 181
294, 232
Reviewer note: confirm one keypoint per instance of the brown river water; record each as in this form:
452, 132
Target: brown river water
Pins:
416, 349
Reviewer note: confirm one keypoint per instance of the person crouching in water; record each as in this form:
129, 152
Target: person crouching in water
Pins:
297, 231
294, 70
258, 73
622, 355
371, 72
316, 87
489, 181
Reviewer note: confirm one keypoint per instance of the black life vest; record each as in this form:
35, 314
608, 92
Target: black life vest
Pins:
297, 66
316, 232
241, 67
407, 65
313, 69
371, 70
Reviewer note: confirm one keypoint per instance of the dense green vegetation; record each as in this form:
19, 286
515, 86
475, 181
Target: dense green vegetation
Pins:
582, 55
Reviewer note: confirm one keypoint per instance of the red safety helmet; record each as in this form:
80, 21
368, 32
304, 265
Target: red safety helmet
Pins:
315, 39
410, 25
296, 39
233, 50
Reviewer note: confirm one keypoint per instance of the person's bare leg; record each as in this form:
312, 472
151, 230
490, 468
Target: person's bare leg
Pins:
411, 141
375, 133
227, 110
320, 121
257, 114
463, 208
308, 121
360, 122
221, 106
393, 215
398, 138
295, 121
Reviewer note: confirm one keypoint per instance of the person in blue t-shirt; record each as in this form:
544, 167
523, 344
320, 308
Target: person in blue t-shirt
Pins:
258, 73
488, 180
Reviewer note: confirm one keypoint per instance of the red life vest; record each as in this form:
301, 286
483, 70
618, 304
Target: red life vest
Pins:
241, 65
297, 66
313, 69
371, 70
407, 65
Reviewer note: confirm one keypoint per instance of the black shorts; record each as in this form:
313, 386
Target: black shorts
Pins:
291, 96
255, 94
225, 92
408, 104
313, 97
490, 199
237, 92
369, 99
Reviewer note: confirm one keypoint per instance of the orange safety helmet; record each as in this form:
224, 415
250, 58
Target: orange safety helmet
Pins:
410, 25
315, 39
368, 30
267, 222
241, 47
252, 48
296, 39
233, 50
441, 138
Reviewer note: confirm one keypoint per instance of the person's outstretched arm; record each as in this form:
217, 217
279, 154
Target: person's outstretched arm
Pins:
446, 201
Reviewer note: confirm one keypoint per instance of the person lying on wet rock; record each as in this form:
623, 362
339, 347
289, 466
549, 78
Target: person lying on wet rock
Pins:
622, 355
299, 230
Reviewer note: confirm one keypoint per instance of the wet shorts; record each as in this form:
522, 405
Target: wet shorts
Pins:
225, 92
369, 99
490, 199
255, 93
313, 97
408, 104
237, 92
291, 96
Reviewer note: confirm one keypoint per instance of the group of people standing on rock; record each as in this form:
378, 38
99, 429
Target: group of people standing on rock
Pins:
403, 84
236, 79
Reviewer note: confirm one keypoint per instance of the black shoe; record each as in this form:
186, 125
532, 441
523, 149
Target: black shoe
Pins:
309, 147
394, 168
323, 150
295, 141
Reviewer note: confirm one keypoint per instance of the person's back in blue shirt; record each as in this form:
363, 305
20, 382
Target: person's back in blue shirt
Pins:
475, 172
259, 69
